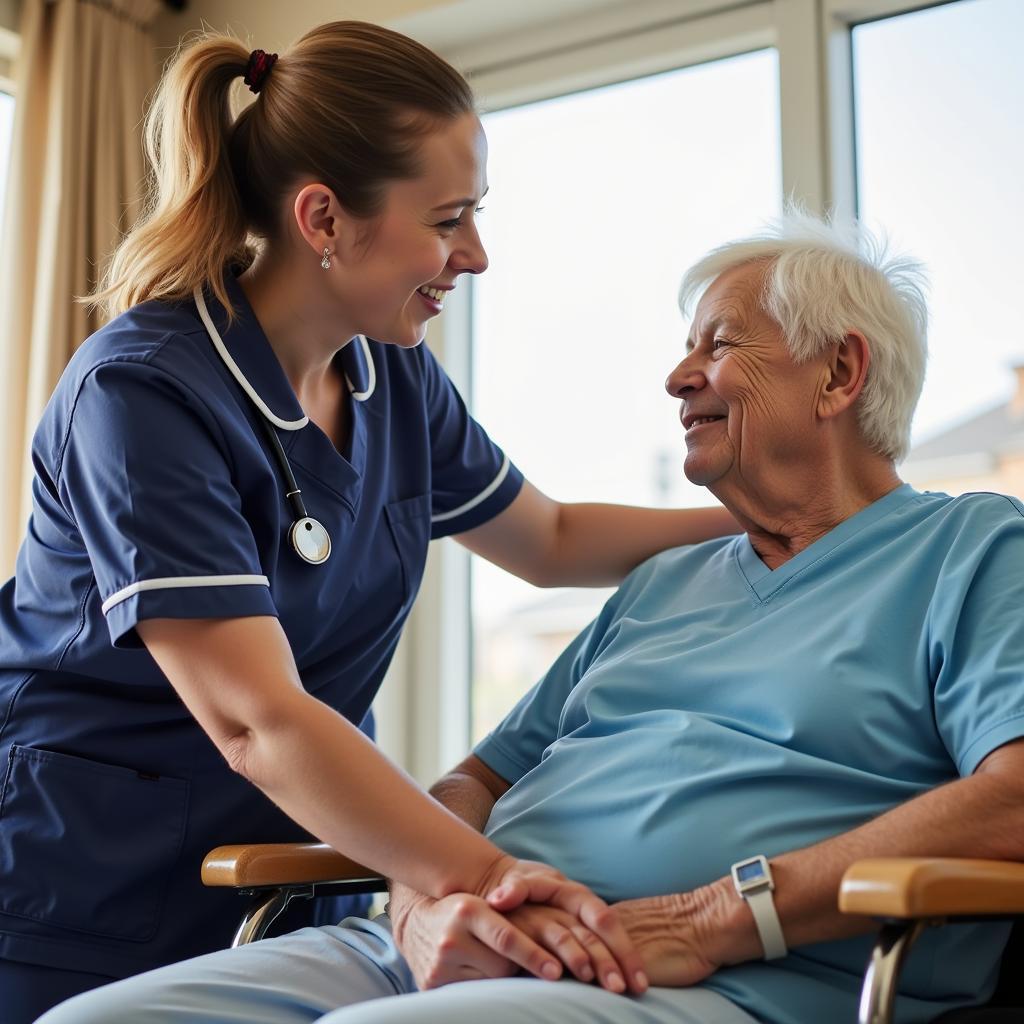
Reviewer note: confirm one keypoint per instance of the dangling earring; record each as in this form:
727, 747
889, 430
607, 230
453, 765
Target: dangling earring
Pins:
326, 261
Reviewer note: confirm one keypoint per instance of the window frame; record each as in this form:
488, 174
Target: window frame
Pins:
838, 20
426, 698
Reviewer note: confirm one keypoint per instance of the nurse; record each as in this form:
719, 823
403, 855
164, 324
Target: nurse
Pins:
236, 482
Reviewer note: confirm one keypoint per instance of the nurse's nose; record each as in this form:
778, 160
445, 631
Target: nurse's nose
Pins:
470, 257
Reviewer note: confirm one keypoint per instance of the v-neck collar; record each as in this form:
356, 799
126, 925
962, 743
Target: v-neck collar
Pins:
765, 582
247, 353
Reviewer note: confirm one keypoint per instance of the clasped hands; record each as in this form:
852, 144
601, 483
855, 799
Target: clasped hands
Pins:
538, 921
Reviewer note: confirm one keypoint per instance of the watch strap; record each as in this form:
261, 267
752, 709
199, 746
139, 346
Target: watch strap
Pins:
769, 928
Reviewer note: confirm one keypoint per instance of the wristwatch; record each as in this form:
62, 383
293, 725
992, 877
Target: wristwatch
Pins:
753, 880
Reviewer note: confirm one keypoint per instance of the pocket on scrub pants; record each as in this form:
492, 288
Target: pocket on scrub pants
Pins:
88, 846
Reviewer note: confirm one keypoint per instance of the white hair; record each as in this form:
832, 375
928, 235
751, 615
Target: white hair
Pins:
823, 280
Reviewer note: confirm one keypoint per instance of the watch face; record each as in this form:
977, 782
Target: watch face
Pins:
750, 872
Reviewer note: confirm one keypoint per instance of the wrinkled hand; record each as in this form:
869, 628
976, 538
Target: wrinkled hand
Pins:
671, 934
513, 883
461, 938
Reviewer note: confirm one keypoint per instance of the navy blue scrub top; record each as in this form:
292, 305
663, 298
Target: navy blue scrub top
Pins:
156, 495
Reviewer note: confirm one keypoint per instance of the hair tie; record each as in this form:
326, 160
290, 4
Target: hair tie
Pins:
258, 68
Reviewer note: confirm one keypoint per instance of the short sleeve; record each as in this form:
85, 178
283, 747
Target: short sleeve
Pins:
518, 743
978, 641
472, 479
145, 474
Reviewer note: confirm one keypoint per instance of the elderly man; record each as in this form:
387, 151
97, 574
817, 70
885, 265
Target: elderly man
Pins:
843, 679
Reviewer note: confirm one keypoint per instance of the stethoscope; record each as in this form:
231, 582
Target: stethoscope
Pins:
308, 536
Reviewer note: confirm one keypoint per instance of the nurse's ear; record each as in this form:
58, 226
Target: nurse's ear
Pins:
324, 223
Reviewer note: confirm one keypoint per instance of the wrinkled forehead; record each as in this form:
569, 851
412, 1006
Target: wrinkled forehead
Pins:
731, 302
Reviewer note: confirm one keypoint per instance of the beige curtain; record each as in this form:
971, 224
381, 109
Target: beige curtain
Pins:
83, 73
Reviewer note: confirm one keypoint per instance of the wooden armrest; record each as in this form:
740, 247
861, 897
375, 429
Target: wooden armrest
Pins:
268, 864
912, 887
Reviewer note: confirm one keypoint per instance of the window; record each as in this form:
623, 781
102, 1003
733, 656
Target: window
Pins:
836, 91
940, 157
576, 325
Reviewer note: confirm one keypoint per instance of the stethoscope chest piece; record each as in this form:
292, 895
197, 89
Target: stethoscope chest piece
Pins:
311, 541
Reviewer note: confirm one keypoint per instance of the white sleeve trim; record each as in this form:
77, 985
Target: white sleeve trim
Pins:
174, 582
479, 499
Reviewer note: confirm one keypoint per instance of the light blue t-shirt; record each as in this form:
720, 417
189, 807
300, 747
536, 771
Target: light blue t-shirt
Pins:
717, 709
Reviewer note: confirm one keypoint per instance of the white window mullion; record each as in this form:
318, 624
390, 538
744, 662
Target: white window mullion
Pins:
801, 108
837, 50
836, 19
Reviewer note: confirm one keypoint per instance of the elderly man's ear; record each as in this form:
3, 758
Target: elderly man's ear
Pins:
845, 374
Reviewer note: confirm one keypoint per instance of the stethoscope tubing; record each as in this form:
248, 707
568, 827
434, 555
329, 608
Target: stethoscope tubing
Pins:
308, 537
293, 493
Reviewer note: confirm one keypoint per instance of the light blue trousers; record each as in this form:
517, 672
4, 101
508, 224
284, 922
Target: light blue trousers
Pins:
352, 973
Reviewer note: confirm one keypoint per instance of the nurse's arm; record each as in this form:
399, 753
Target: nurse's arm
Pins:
554, 544
684, 937
239, 680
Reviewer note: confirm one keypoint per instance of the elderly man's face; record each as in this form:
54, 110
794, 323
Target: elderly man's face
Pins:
747, 408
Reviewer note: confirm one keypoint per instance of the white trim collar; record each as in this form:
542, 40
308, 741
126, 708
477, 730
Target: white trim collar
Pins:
236, 372
371, 372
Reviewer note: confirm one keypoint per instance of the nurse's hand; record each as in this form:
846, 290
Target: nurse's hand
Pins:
517, 882
460, 938
580, 949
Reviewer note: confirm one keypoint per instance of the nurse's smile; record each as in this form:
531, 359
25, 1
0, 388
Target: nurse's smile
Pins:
433, 298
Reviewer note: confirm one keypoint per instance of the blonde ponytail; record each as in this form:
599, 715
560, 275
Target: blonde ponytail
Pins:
336, 107
194, 224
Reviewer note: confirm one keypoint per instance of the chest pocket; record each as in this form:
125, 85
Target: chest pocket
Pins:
88, 846
409, 525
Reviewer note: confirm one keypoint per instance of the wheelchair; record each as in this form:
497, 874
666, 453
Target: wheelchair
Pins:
907, 895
